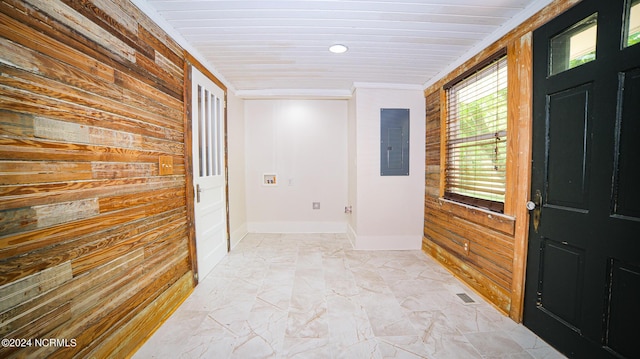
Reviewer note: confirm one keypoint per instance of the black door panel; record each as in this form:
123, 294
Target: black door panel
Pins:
568, 144
621, 331
583, 268
626, 194
560, 287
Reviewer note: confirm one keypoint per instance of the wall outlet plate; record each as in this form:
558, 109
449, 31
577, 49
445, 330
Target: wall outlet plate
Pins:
269, 179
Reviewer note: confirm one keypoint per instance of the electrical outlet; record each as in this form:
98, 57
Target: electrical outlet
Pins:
316, 205
466, 247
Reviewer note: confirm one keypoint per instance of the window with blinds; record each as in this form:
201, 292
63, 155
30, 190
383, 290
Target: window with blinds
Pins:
476, 143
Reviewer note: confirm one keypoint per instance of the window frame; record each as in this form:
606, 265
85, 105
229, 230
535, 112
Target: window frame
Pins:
627, 40
494, 206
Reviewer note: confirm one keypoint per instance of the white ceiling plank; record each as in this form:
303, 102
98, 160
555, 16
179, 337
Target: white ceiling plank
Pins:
282, 44
382, 6
240, 18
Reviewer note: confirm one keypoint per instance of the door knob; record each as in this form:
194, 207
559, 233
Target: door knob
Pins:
536, 206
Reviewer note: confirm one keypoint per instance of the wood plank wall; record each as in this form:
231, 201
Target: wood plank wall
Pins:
93, 239
487, 250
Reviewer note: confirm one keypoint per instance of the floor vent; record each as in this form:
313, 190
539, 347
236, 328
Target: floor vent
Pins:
465, 298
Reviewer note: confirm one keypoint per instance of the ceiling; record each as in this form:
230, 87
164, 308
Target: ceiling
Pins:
270, 47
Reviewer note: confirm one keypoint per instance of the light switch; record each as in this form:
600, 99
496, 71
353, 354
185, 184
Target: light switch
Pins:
165, 165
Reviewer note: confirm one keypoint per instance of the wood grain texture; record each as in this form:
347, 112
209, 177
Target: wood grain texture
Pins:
188, 141
523, 130
94, 242
495, 261
20, 196
33, 285
495, 294
137, 330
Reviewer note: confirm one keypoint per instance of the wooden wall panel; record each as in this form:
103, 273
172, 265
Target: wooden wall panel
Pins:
487, 250
93, 239
432, 145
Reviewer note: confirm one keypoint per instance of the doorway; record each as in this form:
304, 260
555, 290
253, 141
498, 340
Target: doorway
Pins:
209, 180
583, 266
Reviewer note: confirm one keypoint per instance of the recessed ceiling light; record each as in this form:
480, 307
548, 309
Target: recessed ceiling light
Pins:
338, 48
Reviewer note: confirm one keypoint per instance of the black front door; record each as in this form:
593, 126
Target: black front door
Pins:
583, 267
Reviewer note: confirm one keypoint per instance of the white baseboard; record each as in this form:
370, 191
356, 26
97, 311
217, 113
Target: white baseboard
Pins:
297, 227
238, 234
351, 234
388, 242
359, 242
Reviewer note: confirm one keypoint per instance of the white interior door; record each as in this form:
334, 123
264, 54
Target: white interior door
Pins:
210, 204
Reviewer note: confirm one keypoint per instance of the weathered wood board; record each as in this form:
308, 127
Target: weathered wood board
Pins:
494, 260
94, 241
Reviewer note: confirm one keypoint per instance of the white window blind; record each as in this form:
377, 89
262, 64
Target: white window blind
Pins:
475, 171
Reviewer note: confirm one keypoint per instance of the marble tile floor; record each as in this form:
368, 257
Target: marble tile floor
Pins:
313, 296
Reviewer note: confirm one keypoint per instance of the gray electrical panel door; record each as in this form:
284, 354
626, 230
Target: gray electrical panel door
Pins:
394, 142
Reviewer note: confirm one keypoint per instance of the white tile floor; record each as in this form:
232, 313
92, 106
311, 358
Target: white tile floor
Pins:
313, 296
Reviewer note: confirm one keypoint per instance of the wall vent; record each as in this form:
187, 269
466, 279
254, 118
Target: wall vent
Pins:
465, 298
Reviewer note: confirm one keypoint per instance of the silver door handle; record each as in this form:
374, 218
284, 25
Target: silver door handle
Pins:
198, 191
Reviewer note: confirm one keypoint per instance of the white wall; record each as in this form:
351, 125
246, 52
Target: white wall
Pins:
389, 209
236, 164
305, 143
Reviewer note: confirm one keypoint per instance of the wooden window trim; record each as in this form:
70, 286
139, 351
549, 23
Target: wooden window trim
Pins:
480, 65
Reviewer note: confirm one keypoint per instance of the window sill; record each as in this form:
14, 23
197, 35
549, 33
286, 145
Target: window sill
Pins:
497, 221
